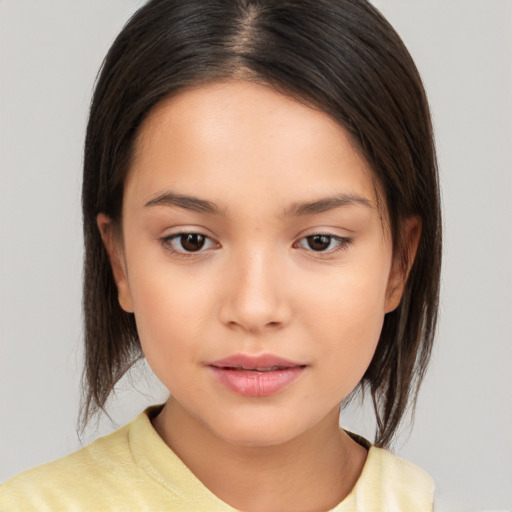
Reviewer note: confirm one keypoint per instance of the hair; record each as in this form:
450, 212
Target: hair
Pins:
340, 56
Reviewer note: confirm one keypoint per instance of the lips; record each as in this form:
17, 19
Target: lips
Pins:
256, 376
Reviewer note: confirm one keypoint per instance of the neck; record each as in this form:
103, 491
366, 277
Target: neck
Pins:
312, 472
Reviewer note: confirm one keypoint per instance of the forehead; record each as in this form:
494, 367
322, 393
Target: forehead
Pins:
243, 139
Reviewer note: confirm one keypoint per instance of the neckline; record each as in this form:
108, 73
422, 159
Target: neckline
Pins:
164, 466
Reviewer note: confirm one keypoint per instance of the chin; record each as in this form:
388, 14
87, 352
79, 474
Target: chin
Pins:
260, 432
259, 439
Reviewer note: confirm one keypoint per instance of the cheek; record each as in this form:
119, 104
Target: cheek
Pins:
345, 320
169, 322
349, 298
168, 305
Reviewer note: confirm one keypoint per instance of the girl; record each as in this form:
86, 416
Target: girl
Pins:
261, 222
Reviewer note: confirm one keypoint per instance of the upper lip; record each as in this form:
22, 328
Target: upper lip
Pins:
254, 362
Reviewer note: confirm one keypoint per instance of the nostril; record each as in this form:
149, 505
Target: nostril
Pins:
253, 309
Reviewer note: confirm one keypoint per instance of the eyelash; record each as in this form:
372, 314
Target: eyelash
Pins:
342, 243
168, 244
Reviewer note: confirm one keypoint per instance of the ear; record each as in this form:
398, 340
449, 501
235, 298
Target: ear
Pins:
117, 261
403, 260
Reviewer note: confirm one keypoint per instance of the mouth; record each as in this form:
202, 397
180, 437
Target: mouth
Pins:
258, 369
256, 376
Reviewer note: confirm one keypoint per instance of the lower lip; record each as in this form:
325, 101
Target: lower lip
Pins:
254, 383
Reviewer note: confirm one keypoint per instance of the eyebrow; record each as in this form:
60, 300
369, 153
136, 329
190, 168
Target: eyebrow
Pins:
187, 202
325, 204
295, 210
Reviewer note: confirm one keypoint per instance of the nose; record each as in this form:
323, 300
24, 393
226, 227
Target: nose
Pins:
255, 294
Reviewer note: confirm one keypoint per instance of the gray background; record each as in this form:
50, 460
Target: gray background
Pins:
50, 51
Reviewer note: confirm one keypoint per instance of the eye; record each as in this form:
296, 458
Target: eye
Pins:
187, 243
323, 242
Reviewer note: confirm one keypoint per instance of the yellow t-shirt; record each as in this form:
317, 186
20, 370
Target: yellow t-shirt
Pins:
133, 469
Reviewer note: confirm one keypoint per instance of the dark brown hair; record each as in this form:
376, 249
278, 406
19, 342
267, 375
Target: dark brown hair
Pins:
340, 56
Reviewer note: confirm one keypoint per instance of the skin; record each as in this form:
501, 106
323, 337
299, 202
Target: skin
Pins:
255, 287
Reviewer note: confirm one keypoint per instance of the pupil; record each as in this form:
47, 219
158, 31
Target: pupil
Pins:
192, 241
319, 242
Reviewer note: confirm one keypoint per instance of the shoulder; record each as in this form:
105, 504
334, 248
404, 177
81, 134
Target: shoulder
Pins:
390, 483
72, 479
130, 469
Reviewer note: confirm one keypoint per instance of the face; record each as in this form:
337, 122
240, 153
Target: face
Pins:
255, 260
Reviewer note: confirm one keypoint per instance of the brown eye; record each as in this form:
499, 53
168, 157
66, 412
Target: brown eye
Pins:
319, 242
188, 243
192, 242
324, 243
